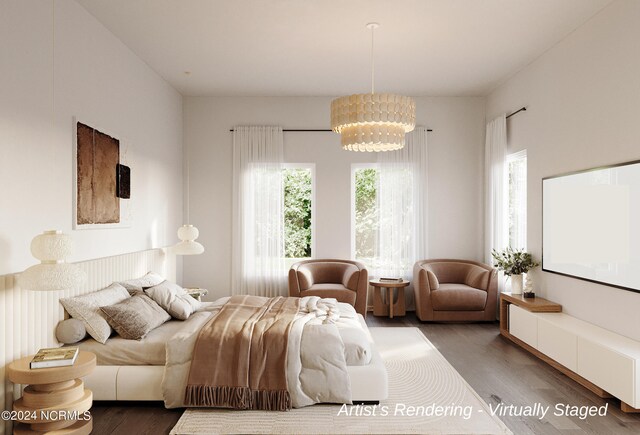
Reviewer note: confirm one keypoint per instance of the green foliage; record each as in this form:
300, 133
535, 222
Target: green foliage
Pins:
297, 213
366, 209
513, 262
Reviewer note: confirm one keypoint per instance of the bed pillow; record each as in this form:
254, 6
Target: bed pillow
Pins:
134, 317
357, 346
87, 309
139, 284
70, 331
174, 299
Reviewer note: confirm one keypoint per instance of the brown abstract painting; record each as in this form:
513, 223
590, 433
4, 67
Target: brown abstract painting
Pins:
98, 155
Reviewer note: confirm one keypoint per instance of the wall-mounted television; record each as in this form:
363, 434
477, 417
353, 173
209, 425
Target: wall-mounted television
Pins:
591, 225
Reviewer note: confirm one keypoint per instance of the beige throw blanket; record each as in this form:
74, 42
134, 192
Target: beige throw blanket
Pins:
240, 357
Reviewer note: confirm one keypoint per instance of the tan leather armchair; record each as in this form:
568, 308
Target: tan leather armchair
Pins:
345, 280
455, 290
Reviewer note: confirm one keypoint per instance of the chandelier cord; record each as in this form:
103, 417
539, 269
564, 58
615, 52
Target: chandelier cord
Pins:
372, 63
373, 122
186, 157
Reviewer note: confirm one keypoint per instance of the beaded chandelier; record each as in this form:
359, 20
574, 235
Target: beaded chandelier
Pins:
373, 122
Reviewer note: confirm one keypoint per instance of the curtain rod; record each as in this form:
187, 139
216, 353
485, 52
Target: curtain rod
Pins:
523, 109
304, 129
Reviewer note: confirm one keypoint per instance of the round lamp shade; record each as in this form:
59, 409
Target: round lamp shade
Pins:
53, 273
52, 246
188, 232
373, 122
188, 245
51, 277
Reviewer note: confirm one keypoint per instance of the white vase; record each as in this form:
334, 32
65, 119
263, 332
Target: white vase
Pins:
516, 284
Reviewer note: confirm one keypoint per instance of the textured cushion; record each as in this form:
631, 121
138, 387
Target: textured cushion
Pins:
87, 309
134, 317
139, 284
70, 331
458, 297
174, 300
433, 280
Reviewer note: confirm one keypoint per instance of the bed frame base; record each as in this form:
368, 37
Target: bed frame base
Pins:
369, 384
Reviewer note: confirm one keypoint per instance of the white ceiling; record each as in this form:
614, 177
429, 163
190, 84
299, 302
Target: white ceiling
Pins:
321, 47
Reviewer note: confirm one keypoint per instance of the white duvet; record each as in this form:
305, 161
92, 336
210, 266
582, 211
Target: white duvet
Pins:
316, 357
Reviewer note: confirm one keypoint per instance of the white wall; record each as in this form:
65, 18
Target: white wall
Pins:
583, 106
104, 84
456, 174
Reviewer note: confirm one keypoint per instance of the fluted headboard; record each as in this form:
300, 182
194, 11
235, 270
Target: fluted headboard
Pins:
28, 319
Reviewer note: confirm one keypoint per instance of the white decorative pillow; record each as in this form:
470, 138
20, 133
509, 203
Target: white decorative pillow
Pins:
140, 284
174, 299
87, 309
70, 331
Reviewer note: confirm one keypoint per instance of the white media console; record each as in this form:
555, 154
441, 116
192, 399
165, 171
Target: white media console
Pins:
603, 361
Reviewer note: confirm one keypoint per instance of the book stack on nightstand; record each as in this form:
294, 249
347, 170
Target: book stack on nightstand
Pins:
54, 357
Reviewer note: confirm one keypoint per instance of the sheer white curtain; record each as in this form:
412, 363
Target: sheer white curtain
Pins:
517, 185
258, 266
402, 204
496, 189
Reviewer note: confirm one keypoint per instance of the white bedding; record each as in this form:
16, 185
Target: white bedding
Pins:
151, 350
316, 363
325, 337
358, 343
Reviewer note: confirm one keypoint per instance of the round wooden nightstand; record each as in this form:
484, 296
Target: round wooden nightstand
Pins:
52, 395
382, 308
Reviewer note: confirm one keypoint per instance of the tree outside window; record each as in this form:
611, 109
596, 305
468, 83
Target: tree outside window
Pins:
367, 216
297, 183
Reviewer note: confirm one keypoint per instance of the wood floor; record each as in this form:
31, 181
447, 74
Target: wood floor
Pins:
498, 370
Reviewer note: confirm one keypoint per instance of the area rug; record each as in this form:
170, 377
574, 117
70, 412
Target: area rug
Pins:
419, 377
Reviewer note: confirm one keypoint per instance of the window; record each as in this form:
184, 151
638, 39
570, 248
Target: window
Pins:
366, 226
297, 181
385, 230
517, 203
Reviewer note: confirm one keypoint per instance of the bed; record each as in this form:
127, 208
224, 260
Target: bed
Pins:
137, 370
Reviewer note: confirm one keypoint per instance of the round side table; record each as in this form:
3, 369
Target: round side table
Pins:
52, 394
382, 308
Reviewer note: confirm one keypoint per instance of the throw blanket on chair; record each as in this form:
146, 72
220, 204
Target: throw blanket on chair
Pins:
240, 357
